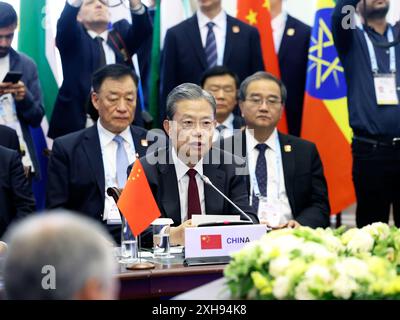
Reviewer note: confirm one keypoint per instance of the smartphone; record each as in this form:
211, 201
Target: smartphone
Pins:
12, 76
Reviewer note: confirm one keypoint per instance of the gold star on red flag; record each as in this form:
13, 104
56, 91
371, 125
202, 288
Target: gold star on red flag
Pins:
252, 17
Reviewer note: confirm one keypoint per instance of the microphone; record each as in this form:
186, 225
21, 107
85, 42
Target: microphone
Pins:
207, 181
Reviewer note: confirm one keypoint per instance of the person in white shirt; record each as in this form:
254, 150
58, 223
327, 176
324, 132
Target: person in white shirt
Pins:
223, 84
285, 180
85, 163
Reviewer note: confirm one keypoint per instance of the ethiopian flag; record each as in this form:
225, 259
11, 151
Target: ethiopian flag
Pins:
325, 115
257, 14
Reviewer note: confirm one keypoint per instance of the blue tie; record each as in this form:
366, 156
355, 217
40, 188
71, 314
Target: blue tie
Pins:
121, 161
211, 46
261, 174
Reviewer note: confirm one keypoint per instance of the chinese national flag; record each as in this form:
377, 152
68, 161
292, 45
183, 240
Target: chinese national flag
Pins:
211, 241
136, 202
257, 14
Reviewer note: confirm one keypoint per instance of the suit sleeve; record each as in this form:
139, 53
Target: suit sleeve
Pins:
258, 64
68, 29
317, 214
21, 189
343, 37
57, 194
31, 109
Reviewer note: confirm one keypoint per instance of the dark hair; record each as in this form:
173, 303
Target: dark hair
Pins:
112, 71
262, 75
219, 71
8, 16
187, 91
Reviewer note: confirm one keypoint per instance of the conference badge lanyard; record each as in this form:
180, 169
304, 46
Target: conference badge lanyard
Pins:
385, 84
270, 208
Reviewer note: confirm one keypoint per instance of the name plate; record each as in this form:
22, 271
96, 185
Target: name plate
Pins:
220, 240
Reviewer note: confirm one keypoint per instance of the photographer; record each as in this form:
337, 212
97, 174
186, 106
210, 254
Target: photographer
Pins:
371, 60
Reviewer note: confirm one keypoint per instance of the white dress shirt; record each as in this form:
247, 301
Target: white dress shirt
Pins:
278, 28
4, 66
226, 132
276, 190
109, 154
183, 184
219, 31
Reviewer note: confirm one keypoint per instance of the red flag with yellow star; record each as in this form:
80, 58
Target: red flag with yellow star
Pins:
136, 202
257, 14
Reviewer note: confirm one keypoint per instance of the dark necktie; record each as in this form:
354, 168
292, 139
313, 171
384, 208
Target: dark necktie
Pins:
261, 174
102, 54
211, 46
193, 194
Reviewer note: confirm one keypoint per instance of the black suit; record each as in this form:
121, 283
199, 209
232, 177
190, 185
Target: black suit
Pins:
16, 198
164, 185
293, 58
305, 182
76, 173
9, 138
184, 60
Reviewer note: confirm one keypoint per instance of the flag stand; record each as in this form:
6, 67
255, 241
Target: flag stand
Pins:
145, 265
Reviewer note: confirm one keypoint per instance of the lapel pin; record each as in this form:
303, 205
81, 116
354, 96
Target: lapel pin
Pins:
144, 143
287, 148
235, 29
291, 32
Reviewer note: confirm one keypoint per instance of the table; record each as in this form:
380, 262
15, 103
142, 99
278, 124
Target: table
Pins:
169, 278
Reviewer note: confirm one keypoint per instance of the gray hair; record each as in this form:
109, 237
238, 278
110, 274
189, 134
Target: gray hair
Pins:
75, 247
187, 91
261, 75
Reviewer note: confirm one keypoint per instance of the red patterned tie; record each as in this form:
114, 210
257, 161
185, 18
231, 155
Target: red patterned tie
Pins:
193, 194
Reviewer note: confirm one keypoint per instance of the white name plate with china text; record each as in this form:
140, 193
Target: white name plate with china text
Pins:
220, 240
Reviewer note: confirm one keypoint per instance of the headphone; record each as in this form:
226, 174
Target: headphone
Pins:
378, 44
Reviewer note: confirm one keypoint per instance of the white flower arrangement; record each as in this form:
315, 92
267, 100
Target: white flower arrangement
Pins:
309, 264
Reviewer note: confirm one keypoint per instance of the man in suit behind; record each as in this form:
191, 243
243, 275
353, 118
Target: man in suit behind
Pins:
291, 39
209, 38
285, 177
16, 198
86, 44
223, 84
174, 173
85, 163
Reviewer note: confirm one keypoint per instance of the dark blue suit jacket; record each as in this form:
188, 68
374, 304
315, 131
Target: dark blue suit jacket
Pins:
76, 173
16, 198
305, 182
293, 59
30, 111
184, 60
80, 57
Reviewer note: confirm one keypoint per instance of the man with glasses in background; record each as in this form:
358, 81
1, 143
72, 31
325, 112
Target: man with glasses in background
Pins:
285, 180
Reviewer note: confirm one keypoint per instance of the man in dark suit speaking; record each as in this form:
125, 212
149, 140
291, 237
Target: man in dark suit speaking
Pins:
286, 182
174, 173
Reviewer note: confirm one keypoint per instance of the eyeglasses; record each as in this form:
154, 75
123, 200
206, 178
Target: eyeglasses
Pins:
7, 37
270, 102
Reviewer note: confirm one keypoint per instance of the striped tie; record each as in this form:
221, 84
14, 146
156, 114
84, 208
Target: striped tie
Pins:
211, 46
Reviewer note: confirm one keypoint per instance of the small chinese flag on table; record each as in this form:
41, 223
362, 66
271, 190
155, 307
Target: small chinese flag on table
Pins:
211, 241
136, 202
